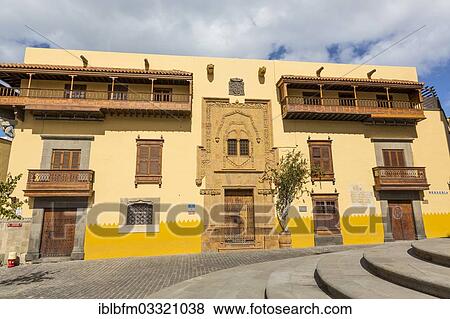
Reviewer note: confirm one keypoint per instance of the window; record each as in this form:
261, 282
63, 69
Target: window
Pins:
66, 159
162, 95
325, 207
244, 147
321, 160
78, 91
311, 98
346, 99
149, 162
394, 157
232, 147
120, 92
326, 213
140, 214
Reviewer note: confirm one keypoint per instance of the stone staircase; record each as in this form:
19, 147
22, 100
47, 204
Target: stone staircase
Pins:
399, 270
405, 270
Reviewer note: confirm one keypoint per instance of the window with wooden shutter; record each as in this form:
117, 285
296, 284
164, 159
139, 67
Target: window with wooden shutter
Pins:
321, 160
66, 159
149, 162
394, 158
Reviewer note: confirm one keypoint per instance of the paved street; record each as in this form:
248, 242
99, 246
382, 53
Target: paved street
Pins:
128, 277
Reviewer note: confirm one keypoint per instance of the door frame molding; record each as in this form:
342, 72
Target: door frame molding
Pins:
415, 197
39, 205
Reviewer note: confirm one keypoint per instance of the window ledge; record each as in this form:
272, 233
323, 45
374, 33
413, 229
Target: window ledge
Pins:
124, 229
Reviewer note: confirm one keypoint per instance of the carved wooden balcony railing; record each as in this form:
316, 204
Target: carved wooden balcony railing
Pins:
43, 183
316, 108
400, 178
96, 101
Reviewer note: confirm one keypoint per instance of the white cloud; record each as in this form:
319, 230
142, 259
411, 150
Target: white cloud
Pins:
235, 28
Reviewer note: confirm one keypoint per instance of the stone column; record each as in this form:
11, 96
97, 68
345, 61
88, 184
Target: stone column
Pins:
80, 230
34, 242
418, 219
387, 227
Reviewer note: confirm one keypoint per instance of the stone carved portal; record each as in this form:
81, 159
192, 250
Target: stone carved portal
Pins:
220, 174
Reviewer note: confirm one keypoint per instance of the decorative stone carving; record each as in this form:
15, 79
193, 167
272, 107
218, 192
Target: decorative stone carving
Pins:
236, 87
264, 191
210, 191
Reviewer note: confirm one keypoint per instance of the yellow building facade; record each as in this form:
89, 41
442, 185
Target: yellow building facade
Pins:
138, 154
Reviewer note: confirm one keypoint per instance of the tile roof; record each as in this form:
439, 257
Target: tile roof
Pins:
304, 78
70, 68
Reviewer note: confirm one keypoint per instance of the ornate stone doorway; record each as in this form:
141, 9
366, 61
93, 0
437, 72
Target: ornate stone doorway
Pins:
236, 149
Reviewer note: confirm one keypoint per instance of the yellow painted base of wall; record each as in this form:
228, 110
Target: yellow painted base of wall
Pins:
302, 232
355, 230
362, 229
105, 241
436, 224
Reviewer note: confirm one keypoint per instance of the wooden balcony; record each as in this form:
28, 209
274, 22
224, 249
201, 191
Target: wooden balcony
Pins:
45, 102
350, 109
53, 183
400, 178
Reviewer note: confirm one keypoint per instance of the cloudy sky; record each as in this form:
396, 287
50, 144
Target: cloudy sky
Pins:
347, 31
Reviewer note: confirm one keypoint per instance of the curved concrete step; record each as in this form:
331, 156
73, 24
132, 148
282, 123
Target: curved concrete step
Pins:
342, 276
247, 282
393, 263
295, 280
436, 250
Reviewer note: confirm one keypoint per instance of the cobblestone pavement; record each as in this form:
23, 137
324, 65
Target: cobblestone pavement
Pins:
135, 277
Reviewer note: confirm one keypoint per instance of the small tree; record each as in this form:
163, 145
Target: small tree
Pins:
288, 181
8, 204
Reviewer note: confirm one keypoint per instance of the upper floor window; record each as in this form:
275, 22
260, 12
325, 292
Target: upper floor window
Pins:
321, 160
394, 157
232, 146
162, 95
65, 159
241, 145
78, 91
140, 214
149, 161
244, 147
120, 92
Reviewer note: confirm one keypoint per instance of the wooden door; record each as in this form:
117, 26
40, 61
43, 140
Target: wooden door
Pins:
58, 232
239, 215
402, 220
